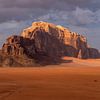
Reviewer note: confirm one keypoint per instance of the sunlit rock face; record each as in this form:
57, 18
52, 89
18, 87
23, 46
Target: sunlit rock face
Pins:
45, 40
56, 39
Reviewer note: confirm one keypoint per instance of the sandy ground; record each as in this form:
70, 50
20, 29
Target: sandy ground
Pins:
79, 80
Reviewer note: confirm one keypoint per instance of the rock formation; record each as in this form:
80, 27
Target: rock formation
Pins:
93, 53
56, 40
45, 40
13, 46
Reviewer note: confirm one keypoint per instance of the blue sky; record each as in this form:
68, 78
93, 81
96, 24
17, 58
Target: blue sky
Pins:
82, 16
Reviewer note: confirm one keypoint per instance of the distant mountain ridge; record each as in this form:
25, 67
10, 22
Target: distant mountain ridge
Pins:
45, 42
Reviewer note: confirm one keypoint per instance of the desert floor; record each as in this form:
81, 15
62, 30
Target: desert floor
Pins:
79, 80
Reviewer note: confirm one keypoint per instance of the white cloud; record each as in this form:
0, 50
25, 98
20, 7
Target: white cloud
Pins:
76, 17
83, 16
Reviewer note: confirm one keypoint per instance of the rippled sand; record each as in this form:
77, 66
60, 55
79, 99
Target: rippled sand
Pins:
79, 80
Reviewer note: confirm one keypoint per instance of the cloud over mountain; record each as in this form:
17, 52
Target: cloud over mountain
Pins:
9, 9
80, 15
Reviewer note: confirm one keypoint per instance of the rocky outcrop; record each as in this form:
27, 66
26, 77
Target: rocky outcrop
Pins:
13, 46
93, 53
56, 40
45, 40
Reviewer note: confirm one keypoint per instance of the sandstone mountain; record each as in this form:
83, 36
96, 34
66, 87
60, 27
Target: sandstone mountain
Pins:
45, 42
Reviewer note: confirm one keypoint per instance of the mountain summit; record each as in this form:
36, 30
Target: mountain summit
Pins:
45, 42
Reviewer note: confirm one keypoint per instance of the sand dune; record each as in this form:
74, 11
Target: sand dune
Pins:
79, 80
86, 62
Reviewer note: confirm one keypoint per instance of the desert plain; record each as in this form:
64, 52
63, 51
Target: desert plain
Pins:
76, 80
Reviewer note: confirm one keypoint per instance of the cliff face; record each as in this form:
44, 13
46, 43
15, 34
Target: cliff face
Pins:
45, 40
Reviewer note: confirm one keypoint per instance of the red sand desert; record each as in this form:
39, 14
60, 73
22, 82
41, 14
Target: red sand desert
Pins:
79, 80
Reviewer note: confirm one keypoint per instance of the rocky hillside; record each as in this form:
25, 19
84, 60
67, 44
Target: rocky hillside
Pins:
45, 42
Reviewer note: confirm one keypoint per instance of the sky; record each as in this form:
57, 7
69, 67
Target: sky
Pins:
82, 16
